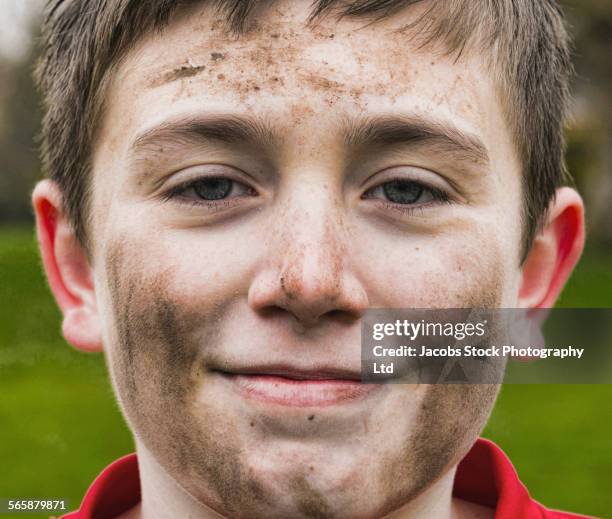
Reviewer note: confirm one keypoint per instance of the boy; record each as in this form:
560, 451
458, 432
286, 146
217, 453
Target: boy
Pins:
233, 183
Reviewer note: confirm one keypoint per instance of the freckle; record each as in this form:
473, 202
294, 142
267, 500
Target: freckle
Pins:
311, 417
256, 88
275, 35
221, 77
252, 424
311, 468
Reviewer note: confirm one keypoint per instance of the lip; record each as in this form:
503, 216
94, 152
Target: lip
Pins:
297, 387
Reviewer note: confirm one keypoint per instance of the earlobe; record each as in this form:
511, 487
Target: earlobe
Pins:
81, 328
554, 253
67, 268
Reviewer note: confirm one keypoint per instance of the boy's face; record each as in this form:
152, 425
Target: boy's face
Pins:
244, 220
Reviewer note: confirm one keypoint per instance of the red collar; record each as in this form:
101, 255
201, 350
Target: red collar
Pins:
113, 492
485, 476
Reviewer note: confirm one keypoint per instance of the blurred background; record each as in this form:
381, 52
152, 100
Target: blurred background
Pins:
59, 424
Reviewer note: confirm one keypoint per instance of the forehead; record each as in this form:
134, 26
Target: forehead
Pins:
278, 41
291, 69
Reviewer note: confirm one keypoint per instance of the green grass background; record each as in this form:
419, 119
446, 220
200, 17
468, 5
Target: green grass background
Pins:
60, 425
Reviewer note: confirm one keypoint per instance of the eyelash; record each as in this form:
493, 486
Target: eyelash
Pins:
177, 193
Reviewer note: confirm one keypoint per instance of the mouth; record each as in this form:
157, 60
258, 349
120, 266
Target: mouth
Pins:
283, 385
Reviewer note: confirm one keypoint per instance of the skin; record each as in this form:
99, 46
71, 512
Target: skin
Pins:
175, 289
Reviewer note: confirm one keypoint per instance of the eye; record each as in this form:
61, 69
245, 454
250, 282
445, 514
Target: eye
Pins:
406, 192
400, 192
210, 190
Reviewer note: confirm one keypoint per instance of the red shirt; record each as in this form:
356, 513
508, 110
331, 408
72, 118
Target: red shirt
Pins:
485, 476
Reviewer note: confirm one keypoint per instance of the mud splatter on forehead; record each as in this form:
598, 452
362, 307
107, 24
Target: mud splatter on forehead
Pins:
281, 51
183, 71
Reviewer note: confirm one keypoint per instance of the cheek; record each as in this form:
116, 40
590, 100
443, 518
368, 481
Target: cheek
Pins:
147, 350
196, 269
154, 358
151, 359
440, 272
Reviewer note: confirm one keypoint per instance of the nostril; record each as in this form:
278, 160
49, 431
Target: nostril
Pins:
342, 316
272, 311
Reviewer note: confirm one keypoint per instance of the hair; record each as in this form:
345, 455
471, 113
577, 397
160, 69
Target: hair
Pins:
525, 44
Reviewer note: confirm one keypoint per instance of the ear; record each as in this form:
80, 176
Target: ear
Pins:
67, 268
554, 253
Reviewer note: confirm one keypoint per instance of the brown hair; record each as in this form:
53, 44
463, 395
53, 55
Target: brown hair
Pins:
525, 42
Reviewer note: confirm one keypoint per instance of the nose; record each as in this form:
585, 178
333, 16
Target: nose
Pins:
308, 272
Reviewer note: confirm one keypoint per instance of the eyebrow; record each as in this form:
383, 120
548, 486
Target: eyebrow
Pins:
198, 129
442, 136
386, 130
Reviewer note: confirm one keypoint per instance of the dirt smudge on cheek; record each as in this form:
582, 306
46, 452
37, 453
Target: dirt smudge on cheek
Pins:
449, 419
150, 327
121, 357
157, 368
450, 416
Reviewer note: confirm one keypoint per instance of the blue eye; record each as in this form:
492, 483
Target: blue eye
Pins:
209, 190
401, 192
406, 192
212, 188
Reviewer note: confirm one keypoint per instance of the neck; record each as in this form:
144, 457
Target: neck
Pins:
162, 496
